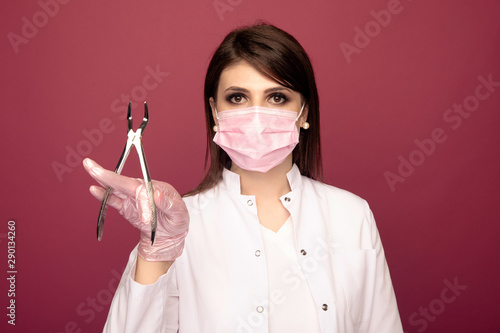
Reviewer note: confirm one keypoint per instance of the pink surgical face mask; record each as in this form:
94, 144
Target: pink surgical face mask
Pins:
257, 138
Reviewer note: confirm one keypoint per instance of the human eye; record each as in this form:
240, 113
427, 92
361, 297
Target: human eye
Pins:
278, 98
236, 98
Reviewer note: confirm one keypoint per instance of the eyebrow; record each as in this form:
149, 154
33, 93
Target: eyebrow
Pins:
233, 88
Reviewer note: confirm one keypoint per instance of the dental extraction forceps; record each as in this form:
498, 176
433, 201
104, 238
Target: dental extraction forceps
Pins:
134, 139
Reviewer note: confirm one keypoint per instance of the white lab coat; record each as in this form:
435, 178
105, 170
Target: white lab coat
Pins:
220, 282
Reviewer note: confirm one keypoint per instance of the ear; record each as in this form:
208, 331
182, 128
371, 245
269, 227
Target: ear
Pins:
214, 115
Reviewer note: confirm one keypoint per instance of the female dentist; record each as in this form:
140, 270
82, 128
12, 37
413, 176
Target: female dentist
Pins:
261, 245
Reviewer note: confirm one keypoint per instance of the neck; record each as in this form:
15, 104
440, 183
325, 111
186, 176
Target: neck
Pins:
270, 184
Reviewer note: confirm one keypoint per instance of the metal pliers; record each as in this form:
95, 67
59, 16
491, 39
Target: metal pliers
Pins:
134, 139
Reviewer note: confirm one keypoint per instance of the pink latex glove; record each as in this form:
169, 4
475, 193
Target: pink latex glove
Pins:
130, 198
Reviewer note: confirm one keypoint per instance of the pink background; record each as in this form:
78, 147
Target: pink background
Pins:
62, 81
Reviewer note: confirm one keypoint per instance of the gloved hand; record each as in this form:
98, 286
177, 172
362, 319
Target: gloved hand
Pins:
130, 198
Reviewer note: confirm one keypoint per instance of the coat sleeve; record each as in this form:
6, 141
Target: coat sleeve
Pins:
384, 315
144, 308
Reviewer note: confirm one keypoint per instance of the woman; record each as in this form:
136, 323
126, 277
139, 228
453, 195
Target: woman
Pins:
269, 248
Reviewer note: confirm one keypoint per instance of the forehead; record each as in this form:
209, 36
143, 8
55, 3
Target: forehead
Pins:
242, 74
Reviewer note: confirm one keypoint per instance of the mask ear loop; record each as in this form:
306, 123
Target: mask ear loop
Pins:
216, 113
300, 113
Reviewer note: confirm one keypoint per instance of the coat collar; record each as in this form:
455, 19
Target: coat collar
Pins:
231, 180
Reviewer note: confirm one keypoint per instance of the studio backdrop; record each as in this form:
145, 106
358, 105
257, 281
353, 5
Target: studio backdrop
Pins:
410, 110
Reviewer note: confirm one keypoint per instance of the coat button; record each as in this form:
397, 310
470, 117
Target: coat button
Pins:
303, 252
250, 202
260, 309
325, 307
257, 253
287, 199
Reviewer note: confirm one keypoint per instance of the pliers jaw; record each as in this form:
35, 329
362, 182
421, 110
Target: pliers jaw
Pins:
145, 119
129, 117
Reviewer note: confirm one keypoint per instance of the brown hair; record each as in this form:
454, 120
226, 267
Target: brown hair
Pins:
279, 56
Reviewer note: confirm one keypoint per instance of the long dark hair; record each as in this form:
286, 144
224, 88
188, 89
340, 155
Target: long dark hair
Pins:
279, 56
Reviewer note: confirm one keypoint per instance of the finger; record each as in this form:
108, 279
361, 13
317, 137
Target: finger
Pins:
165, 195
119, 183
162, 202
97, 192
87, 165
172, 206
113, 200
100, 192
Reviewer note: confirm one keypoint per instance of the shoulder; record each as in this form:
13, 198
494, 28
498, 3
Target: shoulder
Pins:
199, 201
334, 198
345, 217
332, 192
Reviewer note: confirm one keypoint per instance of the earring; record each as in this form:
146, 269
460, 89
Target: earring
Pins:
305, 125
216, 128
